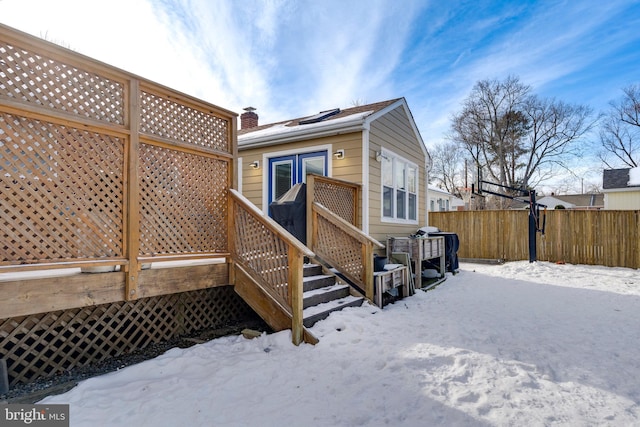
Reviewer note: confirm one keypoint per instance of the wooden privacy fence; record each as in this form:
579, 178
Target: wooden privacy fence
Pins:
609, 238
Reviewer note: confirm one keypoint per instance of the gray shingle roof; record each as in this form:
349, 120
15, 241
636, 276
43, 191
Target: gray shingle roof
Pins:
342, 113
615, 178
583, 200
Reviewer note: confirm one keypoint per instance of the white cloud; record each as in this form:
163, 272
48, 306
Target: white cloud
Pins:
290, 58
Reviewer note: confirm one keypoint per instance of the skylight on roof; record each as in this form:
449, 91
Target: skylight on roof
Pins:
319, 117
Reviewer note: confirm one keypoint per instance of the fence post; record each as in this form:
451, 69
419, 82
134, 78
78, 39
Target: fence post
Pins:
133, 192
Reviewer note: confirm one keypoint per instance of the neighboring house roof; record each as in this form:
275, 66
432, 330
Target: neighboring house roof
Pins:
440, 190
325, 123
575, 201
620, 178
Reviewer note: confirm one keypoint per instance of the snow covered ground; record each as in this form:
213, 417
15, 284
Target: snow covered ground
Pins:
512, 345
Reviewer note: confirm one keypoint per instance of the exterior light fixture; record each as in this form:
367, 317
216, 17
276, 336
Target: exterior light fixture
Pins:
378, 156
339, 154
255, 165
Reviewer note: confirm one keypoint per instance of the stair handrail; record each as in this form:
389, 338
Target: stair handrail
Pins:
331, 237
270, 255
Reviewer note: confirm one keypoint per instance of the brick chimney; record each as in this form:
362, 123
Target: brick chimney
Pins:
248, 119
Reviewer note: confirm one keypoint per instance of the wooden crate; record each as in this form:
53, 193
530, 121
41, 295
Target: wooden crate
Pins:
386, 280
418, 248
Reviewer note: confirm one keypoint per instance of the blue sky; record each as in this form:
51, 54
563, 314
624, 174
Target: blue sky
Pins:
293, 58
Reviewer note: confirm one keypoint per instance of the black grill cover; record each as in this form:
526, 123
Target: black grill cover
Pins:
451, 246
290, 211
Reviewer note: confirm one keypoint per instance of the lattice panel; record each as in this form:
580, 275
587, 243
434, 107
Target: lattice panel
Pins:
342, 249
263, 252
169, 119
183, 202
30, 77
62, 192
337, 198
45, 344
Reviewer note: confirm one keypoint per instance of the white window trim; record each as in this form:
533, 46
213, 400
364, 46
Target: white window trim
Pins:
385, 219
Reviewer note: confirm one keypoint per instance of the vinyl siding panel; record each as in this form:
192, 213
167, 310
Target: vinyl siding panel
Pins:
393, 132
252, 178
623, 200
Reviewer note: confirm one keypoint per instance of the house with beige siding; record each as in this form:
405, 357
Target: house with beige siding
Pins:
376, 145
621, 188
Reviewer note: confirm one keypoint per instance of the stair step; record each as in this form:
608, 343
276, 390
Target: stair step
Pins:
323, 295
310, 283
314, 314
312, 270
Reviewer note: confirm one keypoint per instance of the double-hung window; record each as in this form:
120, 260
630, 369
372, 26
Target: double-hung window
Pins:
399, 189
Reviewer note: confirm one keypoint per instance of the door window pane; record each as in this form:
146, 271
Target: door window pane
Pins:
313, 165
283, 178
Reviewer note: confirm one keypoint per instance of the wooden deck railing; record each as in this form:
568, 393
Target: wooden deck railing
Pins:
102, 168
333, 218
343, 246
271, 256
340, 197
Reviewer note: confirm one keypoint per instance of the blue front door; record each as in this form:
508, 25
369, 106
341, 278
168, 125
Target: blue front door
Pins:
286, 171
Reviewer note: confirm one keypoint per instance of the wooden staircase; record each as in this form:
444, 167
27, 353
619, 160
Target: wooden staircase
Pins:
322, 295
268, 267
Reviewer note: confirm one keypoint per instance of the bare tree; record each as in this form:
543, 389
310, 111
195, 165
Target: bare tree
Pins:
447, 166
486, 126
620, 130
517, 138
549, 142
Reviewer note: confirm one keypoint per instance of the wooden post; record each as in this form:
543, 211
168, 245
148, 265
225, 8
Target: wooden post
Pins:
231, 236
636, 220
367, 254
311, 182
233, 163
296, 261
356, 207
133, 192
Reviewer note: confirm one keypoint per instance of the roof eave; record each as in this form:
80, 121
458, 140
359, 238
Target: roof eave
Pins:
620, 189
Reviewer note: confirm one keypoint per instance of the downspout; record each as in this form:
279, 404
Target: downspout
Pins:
365, 176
